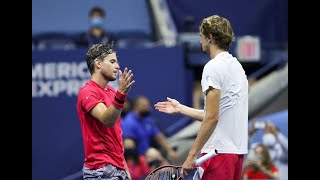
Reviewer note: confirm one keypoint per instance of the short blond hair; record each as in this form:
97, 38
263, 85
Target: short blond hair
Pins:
220, 28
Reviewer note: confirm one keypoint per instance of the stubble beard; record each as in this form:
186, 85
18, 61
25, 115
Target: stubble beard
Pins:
108, 77
205, 50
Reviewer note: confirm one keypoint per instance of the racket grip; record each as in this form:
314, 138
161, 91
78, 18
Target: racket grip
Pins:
206, 157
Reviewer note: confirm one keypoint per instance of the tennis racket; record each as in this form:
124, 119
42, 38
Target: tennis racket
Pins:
172, 172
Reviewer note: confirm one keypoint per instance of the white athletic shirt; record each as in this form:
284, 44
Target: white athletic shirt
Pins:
224, 72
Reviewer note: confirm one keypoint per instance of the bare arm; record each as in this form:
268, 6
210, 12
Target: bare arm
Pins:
172, 106
193, 113
209, 122
110, 115
107, 116
208, 126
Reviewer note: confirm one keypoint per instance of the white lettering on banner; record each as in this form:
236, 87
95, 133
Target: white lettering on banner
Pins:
49, 70
53, 79
56, 87
37, 71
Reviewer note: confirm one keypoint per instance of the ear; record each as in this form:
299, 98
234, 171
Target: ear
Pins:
210, 38
97, 63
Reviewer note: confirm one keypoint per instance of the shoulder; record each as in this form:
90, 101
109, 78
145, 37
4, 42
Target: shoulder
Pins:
88, 90
213, 64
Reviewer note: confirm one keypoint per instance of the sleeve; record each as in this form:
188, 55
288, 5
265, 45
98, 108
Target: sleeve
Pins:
211, 76
89, 99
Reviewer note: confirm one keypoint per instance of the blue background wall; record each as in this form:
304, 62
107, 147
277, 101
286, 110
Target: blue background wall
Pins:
265, 18
72, 16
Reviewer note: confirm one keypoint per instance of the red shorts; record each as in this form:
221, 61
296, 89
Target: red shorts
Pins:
222, 167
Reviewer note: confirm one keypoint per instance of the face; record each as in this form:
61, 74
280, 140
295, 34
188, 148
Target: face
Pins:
204, 41
269, 140
96, 15
259, 153
144, 107
129, 143
96, 21
109, 67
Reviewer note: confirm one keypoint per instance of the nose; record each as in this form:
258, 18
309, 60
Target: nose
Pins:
117, 66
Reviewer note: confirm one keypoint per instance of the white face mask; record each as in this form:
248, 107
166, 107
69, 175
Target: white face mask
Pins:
269, 140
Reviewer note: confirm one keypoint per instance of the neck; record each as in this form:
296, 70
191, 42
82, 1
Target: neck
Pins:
99, 80
97, 32
214, 51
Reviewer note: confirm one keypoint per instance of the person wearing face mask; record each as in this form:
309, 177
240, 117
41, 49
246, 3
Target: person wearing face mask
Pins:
276, 142
155, 159
96, 32
139, 126
277, 145
260, 166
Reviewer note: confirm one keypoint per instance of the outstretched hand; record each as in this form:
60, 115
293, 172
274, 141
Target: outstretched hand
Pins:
125, 80
171, 106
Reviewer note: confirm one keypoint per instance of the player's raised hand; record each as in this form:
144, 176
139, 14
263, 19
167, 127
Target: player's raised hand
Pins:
125, 80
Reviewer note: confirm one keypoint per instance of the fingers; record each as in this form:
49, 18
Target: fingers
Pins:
131, 83
187, 167
120, 74
160, 104
183, 173
126, 80
125, 74
125, 71
162, 110
169, 99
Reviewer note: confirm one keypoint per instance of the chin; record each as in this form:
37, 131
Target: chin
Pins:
113, 78
204, 51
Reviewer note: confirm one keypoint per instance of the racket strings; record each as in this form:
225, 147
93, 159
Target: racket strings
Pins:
166, 173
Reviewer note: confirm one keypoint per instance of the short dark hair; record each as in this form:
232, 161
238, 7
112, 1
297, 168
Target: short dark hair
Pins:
99, 51
98, 10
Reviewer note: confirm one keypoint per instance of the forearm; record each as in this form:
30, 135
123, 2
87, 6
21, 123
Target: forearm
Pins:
160, 138
192, 112
207, 128
111, 115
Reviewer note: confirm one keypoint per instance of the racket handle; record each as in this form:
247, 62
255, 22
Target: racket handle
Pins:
206, 157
